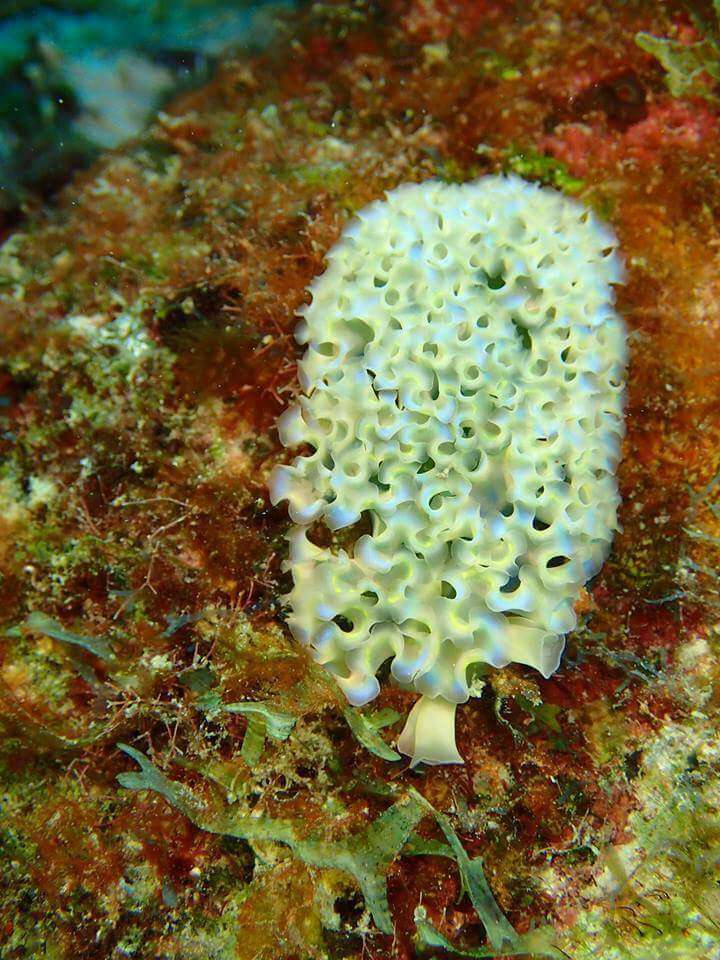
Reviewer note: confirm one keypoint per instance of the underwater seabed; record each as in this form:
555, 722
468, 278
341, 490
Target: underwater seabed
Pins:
179, 777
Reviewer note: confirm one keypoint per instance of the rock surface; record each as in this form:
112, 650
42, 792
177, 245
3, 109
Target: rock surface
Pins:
146, 325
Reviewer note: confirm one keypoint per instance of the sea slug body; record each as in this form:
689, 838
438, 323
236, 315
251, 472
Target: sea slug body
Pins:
463, 395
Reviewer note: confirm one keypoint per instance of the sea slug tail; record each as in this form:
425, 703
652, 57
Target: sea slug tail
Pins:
429, 733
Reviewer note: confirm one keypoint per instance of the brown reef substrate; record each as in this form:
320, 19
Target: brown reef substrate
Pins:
146, 324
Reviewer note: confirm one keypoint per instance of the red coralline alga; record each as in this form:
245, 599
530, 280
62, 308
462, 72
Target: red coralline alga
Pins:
690, 127
147, 322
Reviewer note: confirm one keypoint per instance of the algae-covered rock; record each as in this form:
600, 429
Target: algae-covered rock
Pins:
146, 321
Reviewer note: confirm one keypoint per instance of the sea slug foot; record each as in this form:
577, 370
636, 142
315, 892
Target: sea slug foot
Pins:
429, 733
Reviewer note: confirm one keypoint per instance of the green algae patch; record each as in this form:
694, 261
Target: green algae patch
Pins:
366, 729
500, 932
98, 646
529, 163
366, 856
531, 945
263, 720
691, 68
333, 177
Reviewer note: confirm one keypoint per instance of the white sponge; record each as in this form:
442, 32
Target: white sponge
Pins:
464, 394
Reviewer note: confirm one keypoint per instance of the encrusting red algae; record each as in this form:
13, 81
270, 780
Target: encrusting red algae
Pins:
147, 322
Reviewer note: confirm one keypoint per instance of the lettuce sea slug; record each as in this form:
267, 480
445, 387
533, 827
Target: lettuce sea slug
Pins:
463, 394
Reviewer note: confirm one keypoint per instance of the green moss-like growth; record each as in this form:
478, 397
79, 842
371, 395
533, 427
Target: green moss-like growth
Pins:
692, 68
532, 165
